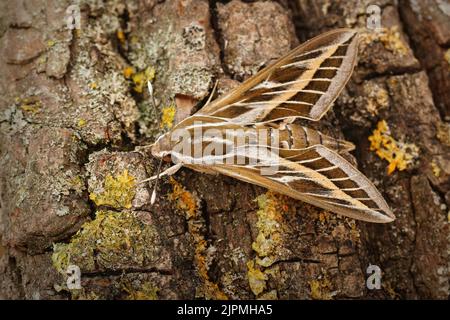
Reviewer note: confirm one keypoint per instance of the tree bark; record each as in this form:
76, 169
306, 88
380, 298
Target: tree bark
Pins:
76, 122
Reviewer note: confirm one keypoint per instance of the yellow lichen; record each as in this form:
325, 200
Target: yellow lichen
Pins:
256, 278
447, 56
121, 36
323, 216
268, 242
189, 204
118, 192
269, 223
435, 168
128, 72
443, 133
141, 78
60, 257
77, 184
30, 105
320, 289
168, 116
389, 37
81, 123
93, 85
186, 201
50, 43
398, 154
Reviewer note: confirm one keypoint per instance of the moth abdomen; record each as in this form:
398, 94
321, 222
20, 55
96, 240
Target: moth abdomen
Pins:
295, 136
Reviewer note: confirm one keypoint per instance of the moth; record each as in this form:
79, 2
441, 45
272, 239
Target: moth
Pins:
309, 165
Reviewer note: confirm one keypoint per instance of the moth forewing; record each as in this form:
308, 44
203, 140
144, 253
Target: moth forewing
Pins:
288, 158
301, 84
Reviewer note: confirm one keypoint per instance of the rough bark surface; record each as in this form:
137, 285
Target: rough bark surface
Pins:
76, 121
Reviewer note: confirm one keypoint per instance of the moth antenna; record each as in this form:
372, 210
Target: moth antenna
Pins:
150, 91
212, 93
170, 171
153, 197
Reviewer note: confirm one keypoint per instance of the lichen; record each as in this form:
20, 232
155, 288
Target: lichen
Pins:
118, 192
113, 240
185, 200
83, 294
435, 168
399, 155
269, 237
378, 98
168, 116
389, 37
128, 72
141, 78
447, 56
268, 242
147, 292
190, 205
121, 36
256, 278
443, 133
320, 289
81, 123
60, 257
30, 104
270, 295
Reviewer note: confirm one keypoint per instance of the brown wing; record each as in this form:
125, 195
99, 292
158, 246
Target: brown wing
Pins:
304, 83
317, 176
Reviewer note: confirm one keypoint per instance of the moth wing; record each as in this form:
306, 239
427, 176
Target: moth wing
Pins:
302, 84
318, 176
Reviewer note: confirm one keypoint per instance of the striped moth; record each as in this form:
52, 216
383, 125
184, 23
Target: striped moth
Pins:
306, 164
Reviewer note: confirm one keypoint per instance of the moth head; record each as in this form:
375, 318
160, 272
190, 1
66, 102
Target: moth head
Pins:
161, 148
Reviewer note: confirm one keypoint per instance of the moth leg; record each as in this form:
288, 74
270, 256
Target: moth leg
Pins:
168, 172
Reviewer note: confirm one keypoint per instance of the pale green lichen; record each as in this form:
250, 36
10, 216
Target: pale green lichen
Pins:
60, 257
118, 192
113, 240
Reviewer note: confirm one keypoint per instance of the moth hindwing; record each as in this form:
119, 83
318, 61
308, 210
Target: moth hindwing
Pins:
250, 134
